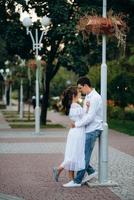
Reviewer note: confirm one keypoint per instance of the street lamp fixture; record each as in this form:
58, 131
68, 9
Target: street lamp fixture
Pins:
37, 45
45, 21
27, 22
6, 72
2, 71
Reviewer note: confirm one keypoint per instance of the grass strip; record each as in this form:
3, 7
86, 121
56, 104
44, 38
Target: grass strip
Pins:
124, 126
32, 126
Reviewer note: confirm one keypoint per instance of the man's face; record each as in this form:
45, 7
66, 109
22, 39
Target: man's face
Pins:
82, 88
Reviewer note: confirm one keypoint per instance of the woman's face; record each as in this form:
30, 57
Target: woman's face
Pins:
78, 96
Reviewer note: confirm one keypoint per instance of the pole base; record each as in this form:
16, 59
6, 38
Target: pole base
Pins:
105, 184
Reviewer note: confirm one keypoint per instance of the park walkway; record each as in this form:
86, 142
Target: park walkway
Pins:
27, 159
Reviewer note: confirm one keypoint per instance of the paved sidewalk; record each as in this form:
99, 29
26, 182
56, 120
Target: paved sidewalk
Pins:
27, 159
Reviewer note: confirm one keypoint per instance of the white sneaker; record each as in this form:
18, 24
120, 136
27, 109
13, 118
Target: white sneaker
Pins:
89, 177
72, 184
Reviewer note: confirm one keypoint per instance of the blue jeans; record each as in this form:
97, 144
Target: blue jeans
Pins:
89, 145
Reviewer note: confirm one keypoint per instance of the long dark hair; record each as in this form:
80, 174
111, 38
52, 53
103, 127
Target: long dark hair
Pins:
67, 98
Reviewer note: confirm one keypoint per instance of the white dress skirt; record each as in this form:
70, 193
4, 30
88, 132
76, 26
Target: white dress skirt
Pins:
74, 159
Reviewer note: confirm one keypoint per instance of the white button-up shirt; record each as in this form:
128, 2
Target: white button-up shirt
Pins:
93, 118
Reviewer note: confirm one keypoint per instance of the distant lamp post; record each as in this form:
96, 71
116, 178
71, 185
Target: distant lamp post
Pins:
37, 45
4, 74
9, 83
22, 64
21, 98
68, 82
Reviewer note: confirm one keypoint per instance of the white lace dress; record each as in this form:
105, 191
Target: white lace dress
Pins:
74, 158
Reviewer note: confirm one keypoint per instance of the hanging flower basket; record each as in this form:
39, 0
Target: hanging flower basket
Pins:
113, 25
32, 64
8, 82
20, 75
43, 62
101, 25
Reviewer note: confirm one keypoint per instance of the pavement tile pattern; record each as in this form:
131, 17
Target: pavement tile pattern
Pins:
27, 159
30, 177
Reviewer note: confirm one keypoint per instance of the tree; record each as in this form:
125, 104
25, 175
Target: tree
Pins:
3, 51
122, 89
63, 79
12, 33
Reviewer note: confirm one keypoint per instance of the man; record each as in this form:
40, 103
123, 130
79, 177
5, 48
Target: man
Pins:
93, 122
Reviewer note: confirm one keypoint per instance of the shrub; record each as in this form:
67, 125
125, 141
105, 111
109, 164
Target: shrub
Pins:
2, 106
115, 112
129, 114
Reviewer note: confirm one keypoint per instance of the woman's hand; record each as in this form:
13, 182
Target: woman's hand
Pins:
72, 125
87, 105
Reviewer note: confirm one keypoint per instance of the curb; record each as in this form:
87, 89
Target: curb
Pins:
9, 197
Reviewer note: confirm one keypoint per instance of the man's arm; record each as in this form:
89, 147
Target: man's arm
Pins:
90, 115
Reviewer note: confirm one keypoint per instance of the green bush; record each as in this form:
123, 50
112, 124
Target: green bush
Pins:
129, 114
115, 112
2, 106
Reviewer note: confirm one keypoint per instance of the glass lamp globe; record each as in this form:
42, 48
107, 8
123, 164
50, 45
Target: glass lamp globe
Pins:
1, 71
45, 21
7, 70
27, 22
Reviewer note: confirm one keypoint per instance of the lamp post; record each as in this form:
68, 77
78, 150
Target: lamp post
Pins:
37, 45
103, 140
4, 74
9, 101
22, 64
103, 147
21, 98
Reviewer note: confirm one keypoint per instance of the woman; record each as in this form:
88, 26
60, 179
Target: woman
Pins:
74, 159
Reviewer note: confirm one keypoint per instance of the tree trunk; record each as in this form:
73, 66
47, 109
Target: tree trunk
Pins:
44, 105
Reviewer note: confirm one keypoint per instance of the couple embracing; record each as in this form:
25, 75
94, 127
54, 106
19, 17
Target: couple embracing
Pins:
86, 126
